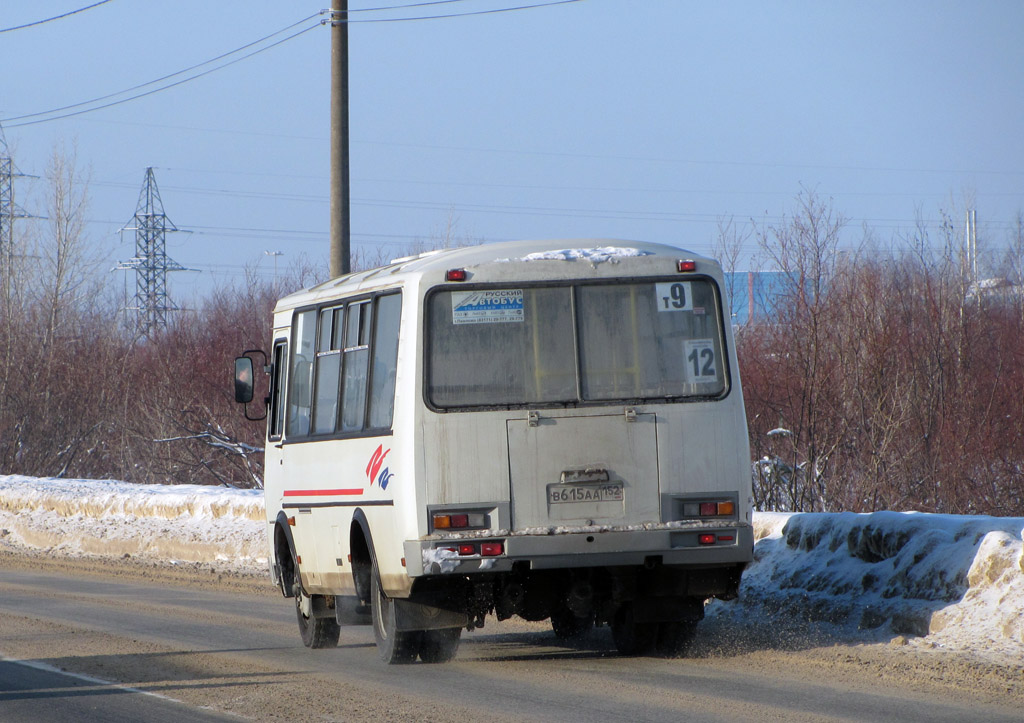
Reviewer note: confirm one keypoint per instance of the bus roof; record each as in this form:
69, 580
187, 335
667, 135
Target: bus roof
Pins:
592, 251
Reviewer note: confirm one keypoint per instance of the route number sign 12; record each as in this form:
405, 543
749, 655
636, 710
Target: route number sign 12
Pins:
699, 361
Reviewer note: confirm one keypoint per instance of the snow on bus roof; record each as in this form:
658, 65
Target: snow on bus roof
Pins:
593, 255
592, 251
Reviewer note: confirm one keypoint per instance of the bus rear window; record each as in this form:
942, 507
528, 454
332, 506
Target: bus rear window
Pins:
501, 347
574, 344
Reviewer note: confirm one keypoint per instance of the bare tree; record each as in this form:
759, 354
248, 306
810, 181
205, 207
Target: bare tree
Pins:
727, 247
53, 320
802, 401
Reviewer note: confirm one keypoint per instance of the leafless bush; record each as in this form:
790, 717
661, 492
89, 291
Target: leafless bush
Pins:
884, 386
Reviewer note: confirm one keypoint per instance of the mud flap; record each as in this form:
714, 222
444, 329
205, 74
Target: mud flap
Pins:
411, 615
350, 610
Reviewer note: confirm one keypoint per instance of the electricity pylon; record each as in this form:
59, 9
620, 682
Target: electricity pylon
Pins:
151, 303
8, 209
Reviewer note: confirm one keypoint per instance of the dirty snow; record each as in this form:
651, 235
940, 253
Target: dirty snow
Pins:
170, 523
445, 558
940, 582
936, 581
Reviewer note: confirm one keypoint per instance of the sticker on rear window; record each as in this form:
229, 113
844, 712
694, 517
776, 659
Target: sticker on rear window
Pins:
674, 296
489, 306
699, 362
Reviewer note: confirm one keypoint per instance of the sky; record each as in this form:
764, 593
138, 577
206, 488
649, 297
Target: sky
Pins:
654, 120
941, 582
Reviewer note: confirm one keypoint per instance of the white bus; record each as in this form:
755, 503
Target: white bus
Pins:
553, 430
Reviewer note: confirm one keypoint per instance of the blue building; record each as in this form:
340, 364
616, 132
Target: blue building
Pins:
753, 294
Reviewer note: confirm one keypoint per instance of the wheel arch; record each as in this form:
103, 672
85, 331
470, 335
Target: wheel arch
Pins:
284, 554
363, 555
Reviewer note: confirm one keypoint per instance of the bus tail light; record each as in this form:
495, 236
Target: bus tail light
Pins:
459, 521
484, 549
707, 538
709, 508
686, 265
492, 549
455, 275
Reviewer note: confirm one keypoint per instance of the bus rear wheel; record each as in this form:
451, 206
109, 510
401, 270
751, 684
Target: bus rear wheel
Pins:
393, 646
631, 637
676, 638
440, 646
568, 626
316, 632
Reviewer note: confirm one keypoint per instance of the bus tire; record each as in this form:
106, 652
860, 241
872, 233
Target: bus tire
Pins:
631, 637
316, 632
440, 646
676, 638
393, 646
567, 626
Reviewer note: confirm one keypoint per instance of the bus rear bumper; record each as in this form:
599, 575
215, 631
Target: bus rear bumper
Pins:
697, 546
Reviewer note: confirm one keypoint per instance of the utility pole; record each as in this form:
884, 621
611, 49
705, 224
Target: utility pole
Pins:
971, 240
340, 219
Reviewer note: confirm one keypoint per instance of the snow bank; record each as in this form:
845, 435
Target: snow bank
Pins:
950, 581
935, 581
175, 523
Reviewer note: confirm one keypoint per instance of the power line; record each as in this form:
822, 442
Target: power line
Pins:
166, 77
25, 118
55, 17
462, 15
164, 87
510, 209
405, 7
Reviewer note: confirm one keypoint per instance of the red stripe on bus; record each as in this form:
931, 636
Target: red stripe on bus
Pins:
321, 493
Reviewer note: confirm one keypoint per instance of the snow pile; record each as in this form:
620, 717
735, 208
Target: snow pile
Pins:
175, 523
953, 582
933, 581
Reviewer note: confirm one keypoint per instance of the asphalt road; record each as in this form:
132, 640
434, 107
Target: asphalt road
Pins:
223, 648
34, 692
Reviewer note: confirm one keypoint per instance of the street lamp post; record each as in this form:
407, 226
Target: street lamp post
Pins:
275, 254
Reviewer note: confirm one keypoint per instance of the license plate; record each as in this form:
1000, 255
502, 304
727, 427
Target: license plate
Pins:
566, 494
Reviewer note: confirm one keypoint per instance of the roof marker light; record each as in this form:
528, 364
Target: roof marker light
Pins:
684, 265
455, 275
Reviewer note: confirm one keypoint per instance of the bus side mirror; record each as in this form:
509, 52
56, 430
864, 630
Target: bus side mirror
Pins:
243, 380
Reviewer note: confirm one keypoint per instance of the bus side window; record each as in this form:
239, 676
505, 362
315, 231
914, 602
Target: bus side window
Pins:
300, 381
356, 353
275, 419
328, 368
385, 361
